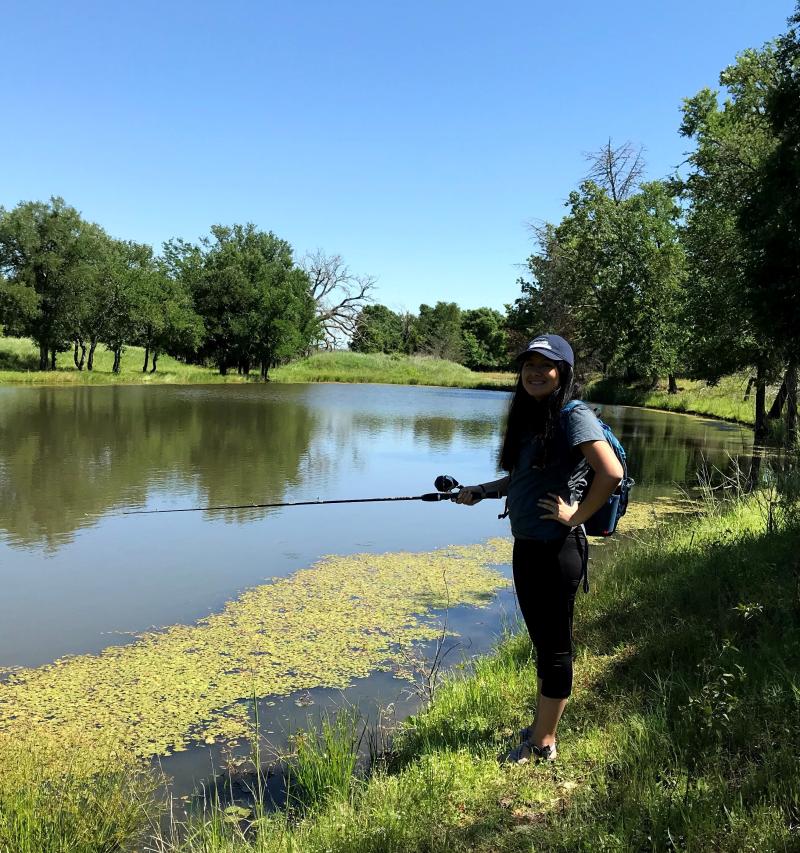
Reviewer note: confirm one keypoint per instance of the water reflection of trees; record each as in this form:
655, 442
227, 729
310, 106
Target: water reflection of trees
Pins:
665, 449
68, 455
438, 431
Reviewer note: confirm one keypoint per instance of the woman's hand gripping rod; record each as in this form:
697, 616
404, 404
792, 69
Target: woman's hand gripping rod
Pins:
449, 485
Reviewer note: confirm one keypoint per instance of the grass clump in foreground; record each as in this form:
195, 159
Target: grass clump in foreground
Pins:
683, 732
57, 797
724, 400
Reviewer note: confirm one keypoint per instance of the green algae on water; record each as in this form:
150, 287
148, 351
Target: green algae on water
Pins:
321, 627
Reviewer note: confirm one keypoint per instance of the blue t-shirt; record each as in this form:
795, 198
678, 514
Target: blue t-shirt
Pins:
563, 474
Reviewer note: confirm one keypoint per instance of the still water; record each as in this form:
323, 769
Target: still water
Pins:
78, 576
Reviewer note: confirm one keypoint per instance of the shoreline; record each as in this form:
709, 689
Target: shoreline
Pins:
237, 380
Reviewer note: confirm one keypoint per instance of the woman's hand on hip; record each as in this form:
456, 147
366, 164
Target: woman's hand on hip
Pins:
558, 509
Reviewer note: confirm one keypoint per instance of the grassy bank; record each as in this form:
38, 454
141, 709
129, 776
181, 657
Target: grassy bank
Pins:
392, 369
724, 400
19, 362
683, 732
19, 365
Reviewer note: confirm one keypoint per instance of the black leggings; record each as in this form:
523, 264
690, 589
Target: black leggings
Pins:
546, 577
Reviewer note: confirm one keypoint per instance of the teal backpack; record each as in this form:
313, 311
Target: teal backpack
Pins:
604, 521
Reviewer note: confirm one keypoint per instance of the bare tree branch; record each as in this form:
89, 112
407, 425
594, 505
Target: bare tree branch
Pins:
618, 169
340, 295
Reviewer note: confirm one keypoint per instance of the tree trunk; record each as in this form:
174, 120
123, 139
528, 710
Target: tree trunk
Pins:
43, 360
673, 384
265, 370
117, 360
83, 356
791, 404
777, 404
53, 356
155, 360
75, 355
146, 359
761, 416
92, 348
750, 382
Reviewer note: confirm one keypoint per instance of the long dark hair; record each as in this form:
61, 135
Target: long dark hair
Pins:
526, 415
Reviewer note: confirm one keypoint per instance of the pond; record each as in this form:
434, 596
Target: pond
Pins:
80, 578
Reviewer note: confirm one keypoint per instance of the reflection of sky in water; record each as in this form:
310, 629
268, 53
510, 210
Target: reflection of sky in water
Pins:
70, 459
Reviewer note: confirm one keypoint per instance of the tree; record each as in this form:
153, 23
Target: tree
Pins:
609, 278
129, 265
256, 305
485, 342
41, 248
96, 279
378, 329
439, 331
339, 294
167, 320
616, 170
770, 219
733, 141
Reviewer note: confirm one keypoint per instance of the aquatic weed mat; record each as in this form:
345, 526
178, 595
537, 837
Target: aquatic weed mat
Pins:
321, 627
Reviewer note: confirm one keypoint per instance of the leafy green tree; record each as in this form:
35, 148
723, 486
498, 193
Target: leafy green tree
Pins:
733, 141
131, 264
485, 342
378, 329
167, 320
95, 278
609, 277
255, 304
438, 331
41, 245
770, 219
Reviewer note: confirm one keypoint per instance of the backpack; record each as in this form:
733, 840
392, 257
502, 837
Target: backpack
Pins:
604, 521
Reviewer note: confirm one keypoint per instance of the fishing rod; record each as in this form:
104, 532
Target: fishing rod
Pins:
448, 489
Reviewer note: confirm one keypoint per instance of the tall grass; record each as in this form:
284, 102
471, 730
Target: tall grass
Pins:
56, 798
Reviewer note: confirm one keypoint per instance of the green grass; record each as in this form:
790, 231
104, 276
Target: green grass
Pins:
54, 799
724, 400
19, 363
683, 732
391, 369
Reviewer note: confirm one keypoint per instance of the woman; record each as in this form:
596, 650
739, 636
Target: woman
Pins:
547, 455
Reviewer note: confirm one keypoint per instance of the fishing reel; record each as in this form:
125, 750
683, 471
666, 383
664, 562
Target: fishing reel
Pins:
446, 483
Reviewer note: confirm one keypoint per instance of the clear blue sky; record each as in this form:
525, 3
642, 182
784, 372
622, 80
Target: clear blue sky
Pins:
416, 139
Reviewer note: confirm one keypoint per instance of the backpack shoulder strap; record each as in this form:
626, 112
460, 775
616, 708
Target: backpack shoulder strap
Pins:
572, 405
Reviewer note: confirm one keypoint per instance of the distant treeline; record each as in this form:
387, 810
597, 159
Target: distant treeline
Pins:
236, 299
696, 274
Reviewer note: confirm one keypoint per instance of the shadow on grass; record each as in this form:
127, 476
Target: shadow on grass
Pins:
17, 361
